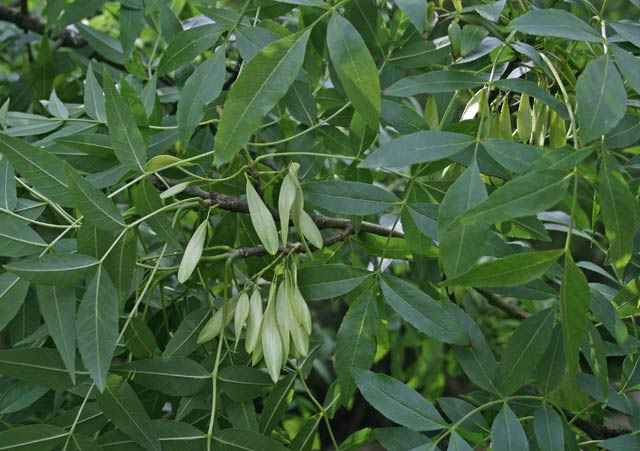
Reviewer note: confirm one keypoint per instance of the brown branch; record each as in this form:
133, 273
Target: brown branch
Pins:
24, 9
502, 304
596, 431
236, 205
244, 252
67, 37
29, 22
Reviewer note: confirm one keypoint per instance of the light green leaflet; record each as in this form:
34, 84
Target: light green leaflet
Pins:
79, 10
121, 263
433, 82
327, 281
148, 95
419, 147
97, 326
349, 198
276, 403
301, 103
316, 3
58, 308
202, 87
460, 247
356, 340
526, 195
8, 194
94, 103
131, 22
555, 22
629, 67
178, 376
397, 401
423, 312
94, 205
472, 36
147, 201
602, 98
477, 361
37, 366
231, 439
54, 269
548, 427
183, 341
43, 171
526, 346
355, 68
139, 339
126, 140
56, 107
186, 45
616, 202
305, 437
508, 271
17, 239
626, 442
513, 156
34, 437
103, 43
20, 395
13, 291
415, 11
262, 220
457, 443
262, 83
122, 406
4, 114
507, 433
574, 310
551, 368
193, 252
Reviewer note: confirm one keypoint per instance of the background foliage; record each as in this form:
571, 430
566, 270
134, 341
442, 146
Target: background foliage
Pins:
308, 225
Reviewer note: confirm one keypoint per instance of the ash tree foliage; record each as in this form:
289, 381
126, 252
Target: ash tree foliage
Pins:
312, 225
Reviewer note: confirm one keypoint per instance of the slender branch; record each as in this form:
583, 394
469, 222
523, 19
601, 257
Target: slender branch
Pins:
505, 306
596, 431
67, 37
24, 10
30, 22
244, 252
236, 205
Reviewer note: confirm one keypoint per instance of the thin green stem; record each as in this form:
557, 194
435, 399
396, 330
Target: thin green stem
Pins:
484, 406
303, 132
32, 221
141, 296
565, 96
321, 409
216, 366
76, 420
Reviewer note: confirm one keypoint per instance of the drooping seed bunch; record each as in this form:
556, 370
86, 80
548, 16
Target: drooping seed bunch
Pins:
535, 125
283, 329
286, 322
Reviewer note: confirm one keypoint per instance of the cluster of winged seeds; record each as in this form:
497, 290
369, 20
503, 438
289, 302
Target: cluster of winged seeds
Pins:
284, 326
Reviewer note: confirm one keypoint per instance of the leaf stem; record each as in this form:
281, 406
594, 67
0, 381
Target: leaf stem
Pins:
321, 409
